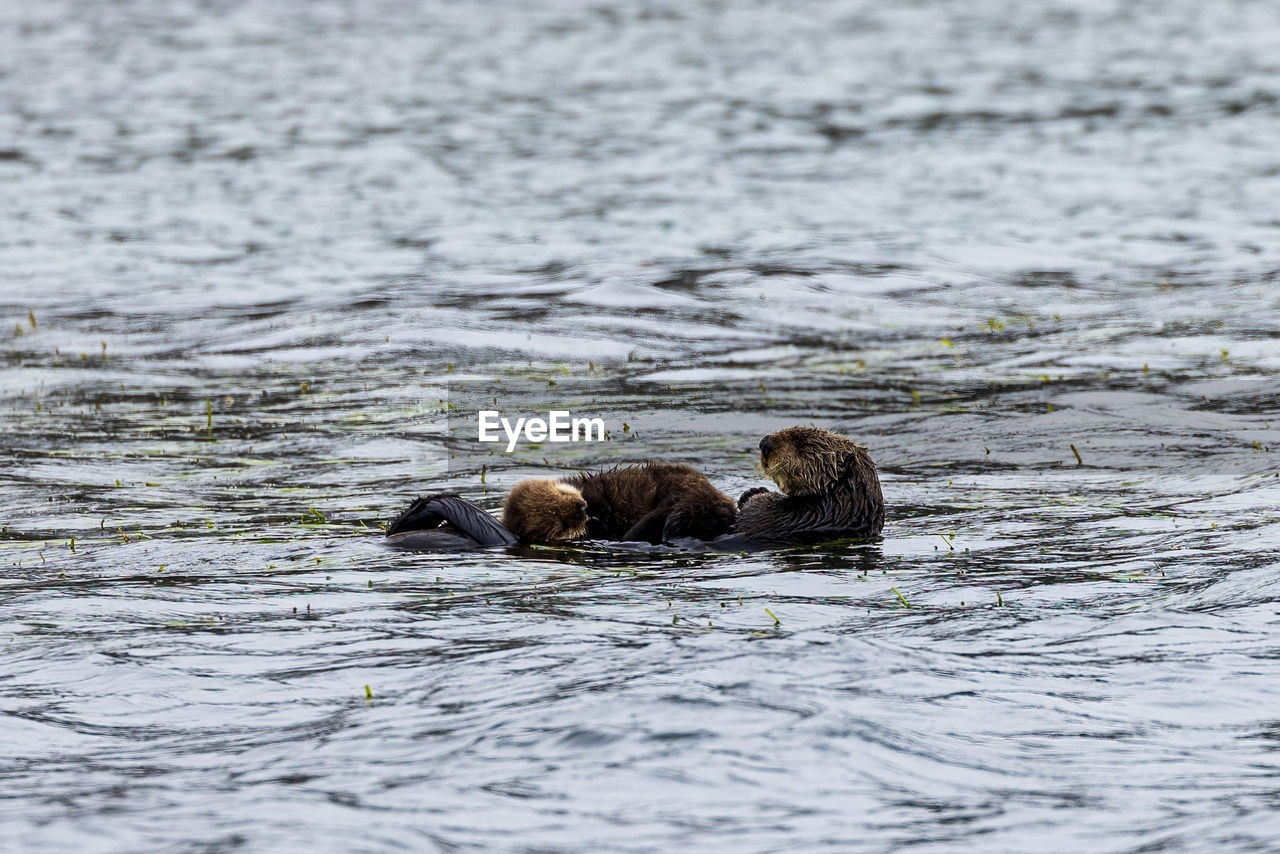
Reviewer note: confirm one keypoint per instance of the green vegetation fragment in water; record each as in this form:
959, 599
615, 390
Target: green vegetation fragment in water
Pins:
901, 598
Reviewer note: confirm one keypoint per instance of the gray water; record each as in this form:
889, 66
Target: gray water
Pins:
251, 253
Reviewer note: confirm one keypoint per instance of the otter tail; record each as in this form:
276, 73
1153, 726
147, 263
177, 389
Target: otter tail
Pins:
448, 509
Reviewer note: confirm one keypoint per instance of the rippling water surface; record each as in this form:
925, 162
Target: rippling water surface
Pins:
255, 254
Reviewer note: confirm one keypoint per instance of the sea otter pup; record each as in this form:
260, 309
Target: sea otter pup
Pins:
545, 511
830, 485
652, 502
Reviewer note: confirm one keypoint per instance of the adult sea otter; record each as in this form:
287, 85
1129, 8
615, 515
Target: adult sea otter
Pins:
830, 490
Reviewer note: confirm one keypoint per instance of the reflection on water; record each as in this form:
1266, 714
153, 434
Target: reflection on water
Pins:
262, 261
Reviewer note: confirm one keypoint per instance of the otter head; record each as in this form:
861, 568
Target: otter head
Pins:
544, 511
806, 460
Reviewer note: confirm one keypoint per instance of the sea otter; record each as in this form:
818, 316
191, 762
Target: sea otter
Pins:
652, 502
545, 511
830, 487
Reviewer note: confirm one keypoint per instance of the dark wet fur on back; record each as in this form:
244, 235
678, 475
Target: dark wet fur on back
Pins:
653, 502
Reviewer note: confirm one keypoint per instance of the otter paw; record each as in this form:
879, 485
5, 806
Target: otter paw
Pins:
749, 494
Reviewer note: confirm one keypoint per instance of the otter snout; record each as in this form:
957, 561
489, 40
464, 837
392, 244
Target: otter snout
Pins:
766, 447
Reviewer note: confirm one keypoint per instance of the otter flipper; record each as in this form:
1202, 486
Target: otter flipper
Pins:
447, 509
686, 520
649, 529
698, 523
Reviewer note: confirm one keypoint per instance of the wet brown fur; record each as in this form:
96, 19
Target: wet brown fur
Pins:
544, 511
653, 502
829, 485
